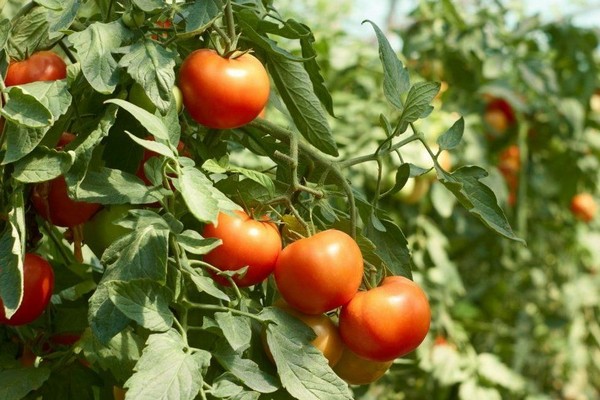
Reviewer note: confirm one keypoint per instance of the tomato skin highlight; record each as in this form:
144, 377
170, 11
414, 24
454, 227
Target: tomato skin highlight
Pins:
246, 242
40, 66
223, 93
386, 322
357, 370
319, 273
38, 278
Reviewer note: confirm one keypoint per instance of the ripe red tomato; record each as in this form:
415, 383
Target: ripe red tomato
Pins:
52, 202
246, 242
499, 115
357, 370
584, 207
328, 339
223, 93
40, 66
319, 273
38, 278
386, 322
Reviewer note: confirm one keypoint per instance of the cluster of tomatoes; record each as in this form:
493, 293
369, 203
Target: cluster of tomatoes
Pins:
318, 275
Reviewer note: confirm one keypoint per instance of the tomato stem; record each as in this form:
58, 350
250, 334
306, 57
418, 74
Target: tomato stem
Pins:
230, 21
67, 51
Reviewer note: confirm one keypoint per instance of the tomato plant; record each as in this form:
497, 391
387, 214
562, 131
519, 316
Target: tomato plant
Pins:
38, 283
40, 66
357, 370
246, 242
223, 93
319, 273
176, 305
386, 322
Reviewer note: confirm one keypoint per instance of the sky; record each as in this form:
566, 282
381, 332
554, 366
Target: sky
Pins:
588, 16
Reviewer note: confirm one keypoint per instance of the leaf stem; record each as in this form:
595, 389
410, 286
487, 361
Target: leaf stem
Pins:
214, 307
218, 272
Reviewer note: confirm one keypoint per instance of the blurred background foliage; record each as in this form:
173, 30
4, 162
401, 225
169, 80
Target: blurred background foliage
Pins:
509, 321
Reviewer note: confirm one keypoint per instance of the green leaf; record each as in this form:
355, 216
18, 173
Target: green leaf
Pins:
391, 246
307, 40
85, 150
207, 285
144, 301
153, 146
198, 16
151, 122
43, 164
202, 199
402, 175
142, 254
251, 25
4, 31
151, 65
493, 370
452, 137
194, 243
60, 15
302, 368
15, 384
104, 318
396, 80
262, 179
247, 371
149, 5
20, 141
166, 371
118, 356
112, 186
29, 31
236, 330
11, 259
477, 198
94, 46
306, 111
24, 109
418, 102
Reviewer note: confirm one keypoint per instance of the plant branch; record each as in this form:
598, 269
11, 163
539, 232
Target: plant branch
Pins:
327, 163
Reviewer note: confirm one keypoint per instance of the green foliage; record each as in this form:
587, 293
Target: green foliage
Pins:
337, 148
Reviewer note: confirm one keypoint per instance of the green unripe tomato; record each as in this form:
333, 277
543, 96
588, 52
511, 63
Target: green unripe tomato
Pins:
100, 232
138, 96
134, 18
